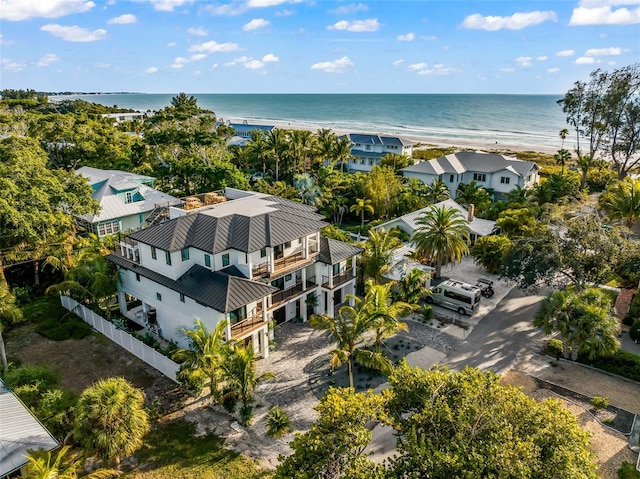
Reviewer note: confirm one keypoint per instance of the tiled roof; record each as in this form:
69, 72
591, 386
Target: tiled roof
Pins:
222, 290
20, 432
472, 161
245, 224
333, 251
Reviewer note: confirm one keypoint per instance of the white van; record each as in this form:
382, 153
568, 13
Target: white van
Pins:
461, 297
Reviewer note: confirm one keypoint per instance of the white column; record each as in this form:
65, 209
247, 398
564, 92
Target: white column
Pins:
228, 328
305, 247
270, 261
122, 302
303, 308
353, 266
330, 268
330, 304
304, 278
264, 344
264, 309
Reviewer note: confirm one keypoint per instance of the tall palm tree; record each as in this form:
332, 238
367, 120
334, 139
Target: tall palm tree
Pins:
378, 250
519, 195
554, 315
202, 360
348, 331
239, 373
622, 201
438, 191
562, 157
341, 151
442, 234
9, 313
276, 142
563, 135
412, 286
360, 207
258, 151
472, 193
111, 420
326, 140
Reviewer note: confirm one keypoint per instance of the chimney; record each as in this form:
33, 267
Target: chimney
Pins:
472, 210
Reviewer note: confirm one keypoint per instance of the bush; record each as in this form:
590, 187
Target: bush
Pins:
69, 327
28, 374
628, 471
600, 402
622, 363
277, 421
634, 332
634, 311
554, 348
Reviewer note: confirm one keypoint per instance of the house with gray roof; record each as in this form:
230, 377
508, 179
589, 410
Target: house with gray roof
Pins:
248, 259
367, 150
499, 173
20, 432
126, 200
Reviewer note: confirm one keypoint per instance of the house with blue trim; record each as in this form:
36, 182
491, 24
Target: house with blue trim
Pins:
367, 150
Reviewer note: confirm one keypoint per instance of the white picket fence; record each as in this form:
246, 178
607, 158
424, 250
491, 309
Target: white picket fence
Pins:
149, 355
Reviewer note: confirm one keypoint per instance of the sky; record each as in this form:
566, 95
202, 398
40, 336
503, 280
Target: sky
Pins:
313, 46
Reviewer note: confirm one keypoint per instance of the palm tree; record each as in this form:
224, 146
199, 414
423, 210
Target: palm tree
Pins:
202, 360
554, 315
519, 195
239, 373
341, 151
348, 331
438, 191
9, 313
562, 157
442, 234
412, 286
472, 193
622, 201
276, 142
258, 150
378, 250
111, 420
302, 143
563, 135
326, 140
44, 465
360, 207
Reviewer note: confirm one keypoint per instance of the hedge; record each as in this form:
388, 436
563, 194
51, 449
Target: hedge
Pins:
622, 363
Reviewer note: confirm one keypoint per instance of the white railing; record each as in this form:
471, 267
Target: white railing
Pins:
136, 347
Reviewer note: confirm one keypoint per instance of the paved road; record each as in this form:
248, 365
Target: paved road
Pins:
496, 340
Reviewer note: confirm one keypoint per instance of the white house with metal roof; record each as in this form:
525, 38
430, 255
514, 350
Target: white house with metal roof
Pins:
126, 200
367, 150
248, 259
20, 432
498, 172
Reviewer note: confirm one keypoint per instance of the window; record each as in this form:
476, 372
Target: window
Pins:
182, 297
287, 277
185, 254
158, 296
225, 260
167, 257
238, 315
336, 269
128, 197
505, 180
263, 252
153, 253
458, 296
207, 261
108, 227
137, 276
450, 178
287, 244
480, 176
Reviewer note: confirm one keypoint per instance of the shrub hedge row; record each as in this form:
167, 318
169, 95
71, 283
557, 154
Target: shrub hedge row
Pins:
622, 363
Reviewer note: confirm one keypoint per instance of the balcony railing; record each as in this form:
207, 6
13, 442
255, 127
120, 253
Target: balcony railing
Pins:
245, 326
281, 265
311, 282
338, 279
281, 296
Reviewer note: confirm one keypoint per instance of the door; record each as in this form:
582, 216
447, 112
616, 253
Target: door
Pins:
337, 297
279, 315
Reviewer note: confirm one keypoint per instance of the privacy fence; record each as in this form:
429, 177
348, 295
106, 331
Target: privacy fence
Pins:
136, 347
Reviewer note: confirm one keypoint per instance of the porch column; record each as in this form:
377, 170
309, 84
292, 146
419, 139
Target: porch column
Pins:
122, 302
303, 308
227, 331
353, 266
330, 276
305, 247
330, 305
264, 309
264, 343
304, 278
270, 261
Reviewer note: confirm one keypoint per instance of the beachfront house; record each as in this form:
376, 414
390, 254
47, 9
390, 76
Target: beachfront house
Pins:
128, 116
126, 200
367, 150
242, 131
249, 258
500, 173
408, 223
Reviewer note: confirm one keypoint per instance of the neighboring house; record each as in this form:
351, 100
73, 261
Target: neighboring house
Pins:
367, 150
126, 200
243, 132
408, 223
497, 172
248, 259
120, 117
20, 432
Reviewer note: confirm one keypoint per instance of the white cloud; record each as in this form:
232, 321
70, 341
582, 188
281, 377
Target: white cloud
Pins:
74, 33
171, 44
270, 58
406, 38
542, 58
598, 52
179, 62
335, 66
524, 61
585, 61
268, 3
418, 66
47, 60
253, 64
347, 9
398, 62
197, 32
437, 69
507, 70
242, 59
369, 25
151, 70
255, 24
168, 5
284, 13
125, 19
16, 10
565, 53
604, 12
214, 47
517, 21
11, 66
553, 70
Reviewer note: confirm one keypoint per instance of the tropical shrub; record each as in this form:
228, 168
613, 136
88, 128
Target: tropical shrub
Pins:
621, 363
554, 348
278, 423
634, 332
628, 471
634, 311
599, 178
600, 402
488, 252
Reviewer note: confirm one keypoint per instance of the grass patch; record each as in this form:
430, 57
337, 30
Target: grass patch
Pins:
53, 321
172, 450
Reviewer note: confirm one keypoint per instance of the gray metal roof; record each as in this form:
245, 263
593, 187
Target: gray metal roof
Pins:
472, 161
367, 139
333, 251
245, 224
221, 290
20, 432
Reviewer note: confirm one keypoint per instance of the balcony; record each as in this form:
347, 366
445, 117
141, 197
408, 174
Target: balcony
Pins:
282, 265
128, 248
282, 296
246, 326
338, 279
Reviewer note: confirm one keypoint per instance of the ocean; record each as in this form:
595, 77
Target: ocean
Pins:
526, 120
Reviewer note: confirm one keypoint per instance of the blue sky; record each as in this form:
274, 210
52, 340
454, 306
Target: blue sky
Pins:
300, 46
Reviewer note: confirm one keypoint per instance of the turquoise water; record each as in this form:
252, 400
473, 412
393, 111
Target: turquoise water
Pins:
516, 119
